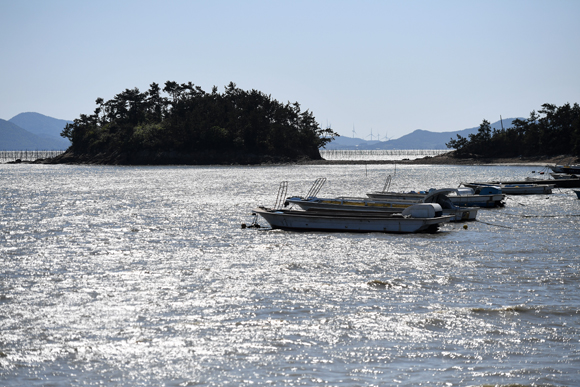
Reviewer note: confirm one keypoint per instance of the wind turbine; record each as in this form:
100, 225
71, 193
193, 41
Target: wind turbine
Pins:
353, 131
371, 135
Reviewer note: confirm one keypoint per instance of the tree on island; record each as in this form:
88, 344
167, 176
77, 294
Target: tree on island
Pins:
189, 125
552, 131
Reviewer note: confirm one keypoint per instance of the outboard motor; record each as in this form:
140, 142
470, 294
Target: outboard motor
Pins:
445, 202
424, 210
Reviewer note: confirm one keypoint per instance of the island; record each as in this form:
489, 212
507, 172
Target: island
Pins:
183, 124
188, 126
549, 136
550, 132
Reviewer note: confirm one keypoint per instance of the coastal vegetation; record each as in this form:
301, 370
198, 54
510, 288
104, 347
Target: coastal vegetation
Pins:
184, 124
551, 131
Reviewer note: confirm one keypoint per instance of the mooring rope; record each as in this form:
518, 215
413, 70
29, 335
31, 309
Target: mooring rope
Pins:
491, 224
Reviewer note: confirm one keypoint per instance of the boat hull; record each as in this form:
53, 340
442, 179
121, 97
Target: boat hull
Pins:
483, 201
569, 169
557, 183
313, 221
360, 205
457, 214
517, 189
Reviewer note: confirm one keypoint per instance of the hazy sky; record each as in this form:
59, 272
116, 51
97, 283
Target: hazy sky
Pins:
389, 66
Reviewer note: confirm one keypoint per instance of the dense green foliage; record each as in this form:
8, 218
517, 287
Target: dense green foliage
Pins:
186, 120
554, 131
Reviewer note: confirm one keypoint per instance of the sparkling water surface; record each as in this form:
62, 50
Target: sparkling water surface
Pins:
143, 276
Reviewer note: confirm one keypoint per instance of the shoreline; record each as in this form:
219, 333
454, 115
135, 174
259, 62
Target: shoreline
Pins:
446, 159
443, 159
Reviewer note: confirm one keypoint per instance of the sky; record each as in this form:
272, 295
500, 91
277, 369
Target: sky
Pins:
362, 67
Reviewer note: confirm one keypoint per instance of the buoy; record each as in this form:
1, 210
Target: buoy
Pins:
465, 227
380, 284
243, 225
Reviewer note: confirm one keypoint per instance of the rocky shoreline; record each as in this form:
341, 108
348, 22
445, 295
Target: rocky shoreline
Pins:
448, 159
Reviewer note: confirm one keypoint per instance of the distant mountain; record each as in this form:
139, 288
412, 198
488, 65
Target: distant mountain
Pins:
34, 131
42, 126
13, 137
419, 139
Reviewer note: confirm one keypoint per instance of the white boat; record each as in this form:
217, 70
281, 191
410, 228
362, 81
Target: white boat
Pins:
392, 206
461, 197
422, 217
517, 189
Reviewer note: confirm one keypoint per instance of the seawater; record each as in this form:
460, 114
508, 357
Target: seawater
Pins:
143, 276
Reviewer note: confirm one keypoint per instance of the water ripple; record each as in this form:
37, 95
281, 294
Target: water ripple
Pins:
143, 276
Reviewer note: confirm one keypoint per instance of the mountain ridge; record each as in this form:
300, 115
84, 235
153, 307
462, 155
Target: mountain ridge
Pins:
418, 139
13, 138
35, 131
32, 131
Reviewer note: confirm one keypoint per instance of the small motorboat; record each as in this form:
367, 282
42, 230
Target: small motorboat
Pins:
563, 176
421, 217
517, 189
569, 169
387, 205
488, 197
558, 181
